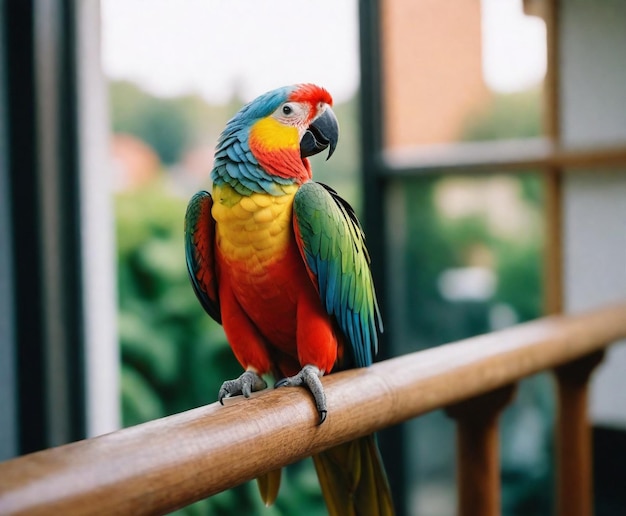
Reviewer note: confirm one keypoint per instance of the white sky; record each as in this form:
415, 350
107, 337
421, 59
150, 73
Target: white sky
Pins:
514, 46
173, 47
210, 46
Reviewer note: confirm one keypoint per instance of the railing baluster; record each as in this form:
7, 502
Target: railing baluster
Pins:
478, 452
573, 438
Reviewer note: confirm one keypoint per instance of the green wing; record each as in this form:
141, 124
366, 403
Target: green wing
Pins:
332, 245
200, 252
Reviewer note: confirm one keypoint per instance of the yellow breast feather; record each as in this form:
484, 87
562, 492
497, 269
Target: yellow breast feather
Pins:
253, 229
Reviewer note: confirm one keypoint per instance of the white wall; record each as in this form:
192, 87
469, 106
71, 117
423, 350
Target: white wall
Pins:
593, 86
102, 367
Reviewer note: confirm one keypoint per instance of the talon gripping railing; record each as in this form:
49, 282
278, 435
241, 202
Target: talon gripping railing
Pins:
171, 462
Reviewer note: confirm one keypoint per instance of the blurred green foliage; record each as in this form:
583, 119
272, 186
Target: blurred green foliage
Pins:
435, 243
169, 126
507, 116
174, 356
438, 243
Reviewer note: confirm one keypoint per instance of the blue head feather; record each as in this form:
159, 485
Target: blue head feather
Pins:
262, 106
234, 162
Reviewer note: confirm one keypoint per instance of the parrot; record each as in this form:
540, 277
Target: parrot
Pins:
280, 261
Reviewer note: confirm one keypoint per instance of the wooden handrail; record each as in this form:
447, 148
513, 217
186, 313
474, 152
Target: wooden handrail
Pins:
171, 462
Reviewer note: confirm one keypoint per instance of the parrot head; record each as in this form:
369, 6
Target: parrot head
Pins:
269, 139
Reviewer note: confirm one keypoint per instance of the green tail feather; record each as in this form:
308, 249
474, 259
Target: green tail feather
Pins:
268, 486
353, 479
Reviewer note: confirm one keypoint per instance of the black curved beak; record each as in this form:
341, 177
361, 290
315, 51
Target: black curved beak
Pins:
322, 133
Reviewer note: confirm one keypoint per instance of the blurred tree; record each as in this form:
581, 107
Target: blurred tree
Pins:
165, 335
160, 124
507, 116
170, 126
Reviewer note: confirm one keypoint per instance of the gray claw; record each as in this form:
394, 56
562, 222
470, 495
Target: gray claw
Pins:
309, 376
246, 384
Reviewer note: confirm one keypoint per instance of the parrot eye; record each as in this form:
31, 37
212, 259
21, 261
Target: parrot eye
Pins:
290, 113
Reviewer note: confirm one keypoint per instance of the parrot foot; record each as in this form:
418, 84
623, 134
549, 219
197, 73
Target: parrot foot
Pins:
246, 384
309, 377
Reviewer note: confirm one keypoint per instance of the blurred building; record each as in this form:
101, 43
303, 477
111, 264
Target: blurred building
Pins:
193, 172
135, 163
432, 55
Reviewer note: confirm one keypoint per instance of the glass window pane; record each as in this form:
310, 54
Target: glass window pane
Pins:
467, 70
465, 252
465, 257
470, 250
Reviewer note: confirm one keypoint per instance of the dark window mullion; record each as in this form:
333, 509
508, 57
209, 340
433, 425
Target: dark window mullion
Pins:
391, 440
45, 220
8, 343
25, 211
71, 265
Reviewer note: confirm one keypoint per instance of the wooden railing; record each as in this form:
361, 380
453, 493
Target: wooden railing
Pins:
171, 462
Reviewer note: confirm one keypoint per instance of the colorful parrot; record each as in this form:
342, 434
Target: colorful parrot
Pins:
280, 261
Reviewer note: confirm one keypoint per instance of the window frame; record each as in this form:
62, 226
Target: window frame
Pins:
548, 156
